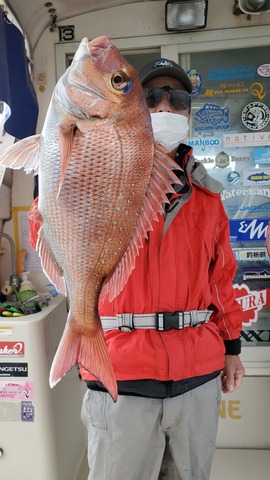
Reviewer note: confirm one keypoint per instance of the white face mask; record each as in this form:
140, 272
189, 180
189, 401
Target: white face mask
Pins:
169, 129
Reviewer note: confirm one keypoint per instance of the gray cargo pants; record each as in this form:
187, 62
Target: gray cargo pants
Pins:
127, 439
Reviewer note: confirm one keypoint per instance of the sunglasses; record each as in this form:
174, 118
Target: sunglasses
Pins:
179, 99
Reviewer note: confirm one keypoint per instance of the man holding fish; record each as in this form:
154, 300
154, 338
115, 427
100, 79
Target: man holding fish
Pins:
173, 331
134, 232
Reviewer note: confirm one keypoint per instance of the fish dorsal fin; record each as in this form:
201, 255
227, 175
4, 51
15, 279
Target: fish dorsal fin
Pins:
66, 139
160, 183
23, 154
49, 265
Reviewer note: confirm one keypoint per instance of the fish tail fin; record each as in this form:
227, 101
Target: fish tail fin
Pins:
90, 351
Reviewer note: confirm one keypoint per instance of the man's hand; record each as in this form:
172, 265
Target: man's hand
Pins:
232, 374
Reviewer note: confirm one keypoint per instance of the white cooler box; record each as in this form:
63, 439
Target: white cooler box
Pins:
41, 433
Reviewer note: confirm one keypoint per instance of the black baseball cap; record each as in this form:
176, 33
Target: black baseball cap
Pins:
161, 67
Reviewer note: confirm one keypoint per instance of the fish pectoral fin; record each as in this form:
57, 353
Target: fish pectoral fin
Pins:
90, 351
66, 139
160, 183
49, 264
23, 154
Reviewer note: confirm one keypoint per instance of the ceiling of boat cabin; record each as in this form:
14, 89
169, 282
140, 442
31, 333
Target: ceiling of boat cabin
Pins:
35, 16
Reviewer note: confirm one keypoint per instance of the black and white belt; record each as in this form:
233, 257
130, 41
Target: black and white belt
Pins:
163, 321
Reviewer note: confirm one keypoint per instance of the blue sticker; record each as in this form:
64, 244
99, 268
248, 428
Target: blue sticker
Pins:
213, 117
248, 230
233, 177
261, 155
265, 207
203, 143
259, 177
232, 210
229, 73
196, 81
254, 176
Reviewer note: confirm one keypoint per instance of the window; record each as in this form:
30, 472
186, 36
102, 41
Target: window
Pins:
230, 135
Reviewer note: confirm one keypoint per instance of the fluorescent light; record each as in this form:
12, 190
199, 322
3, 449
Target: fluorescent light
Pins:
185, 15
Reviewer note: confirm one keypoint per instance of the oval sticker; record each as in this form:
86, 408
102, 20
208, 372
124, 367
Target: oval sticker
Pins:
264, 70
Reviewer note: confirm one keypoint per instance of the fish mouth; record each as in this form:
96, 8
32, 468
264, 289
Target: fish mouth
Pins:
94, 48
97, 46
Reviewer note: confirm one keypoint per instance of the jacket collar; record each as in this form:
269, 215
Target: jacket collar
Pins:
194, 172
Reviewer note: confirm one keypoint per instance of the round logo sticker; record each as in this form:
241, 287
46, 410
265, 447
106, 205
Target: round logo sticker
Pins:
222, 160
264, 70
233, 177
255, 115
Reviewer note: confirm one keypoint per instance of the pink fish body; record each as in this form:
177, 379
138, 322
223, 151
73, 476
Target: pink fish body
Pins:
102, 182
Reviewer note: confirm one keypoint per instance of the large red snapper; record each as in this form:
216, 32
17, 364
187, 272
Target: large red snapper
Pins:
102, 182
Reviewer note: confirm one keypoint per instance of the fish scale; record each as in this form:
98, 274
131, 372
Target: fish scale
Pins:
102, 183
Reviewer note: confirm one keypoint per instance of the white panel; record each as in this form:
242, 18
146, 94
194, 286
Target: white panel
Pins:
240, 465
244, 421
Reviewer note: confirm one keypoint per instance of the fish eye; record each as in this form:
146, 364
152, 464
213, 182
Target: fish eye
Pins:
120, 81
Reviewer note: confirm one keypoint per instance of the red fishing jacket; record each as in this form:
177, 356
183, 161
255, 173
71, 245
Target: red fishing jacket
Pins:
185, 264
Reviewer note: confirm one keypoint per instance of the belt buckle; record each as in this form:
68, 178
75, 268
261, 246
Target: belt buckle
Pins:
125, 322
170, 321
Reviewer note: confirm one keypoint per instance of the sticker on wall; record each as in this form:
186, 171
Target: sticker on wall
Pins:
249, 255
251, 301
255, 337
227, 89
240, 159
222, 160
233, 209
13, 370
257, 90
245, 192
256, 274
212, 117
264, 70
259, 177
246, 139
233, 177
209, 161
255, 116
196, 81
263, 208
248, 230
17, 390
27, 412
261, 155
229, 73
11, 349
203, 143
